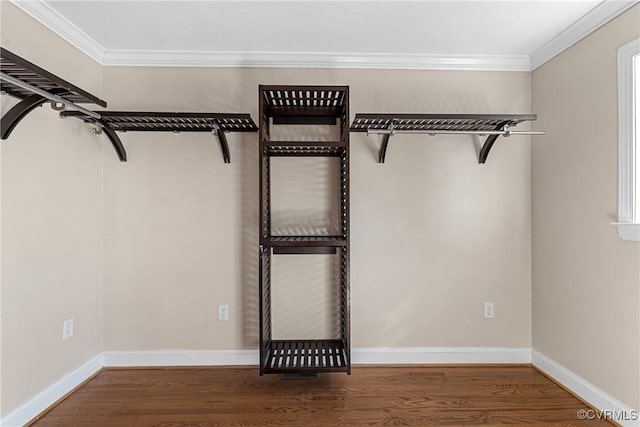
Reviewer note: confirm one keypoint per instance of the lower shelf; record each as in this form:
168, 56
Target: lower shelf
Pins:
285, 356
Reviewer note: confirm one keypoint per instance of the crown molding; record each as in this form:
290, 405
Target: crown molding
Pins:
314, 60
51, 19
597, 17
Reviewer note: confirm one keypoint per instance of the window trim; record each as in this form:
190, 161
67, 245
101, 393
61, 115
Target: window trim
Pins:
628, 224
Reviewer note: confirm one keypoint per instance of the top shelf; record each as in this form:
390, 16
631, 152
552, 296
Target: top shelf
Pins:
437, 122
141, 121
29, 73
171, 122
490, 125
304, 104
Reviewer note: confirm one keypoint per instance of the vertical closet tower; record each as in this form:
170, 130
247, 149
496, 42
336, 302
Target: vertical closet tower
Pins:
303, 105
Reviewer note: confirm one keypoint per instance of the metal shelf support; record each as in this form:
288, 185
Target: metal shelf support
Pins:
18, 112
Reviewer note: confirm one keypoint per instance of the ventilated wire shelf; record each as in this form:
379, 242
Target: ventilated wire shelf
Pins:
436, 122
23, 70
300, 355
172, 122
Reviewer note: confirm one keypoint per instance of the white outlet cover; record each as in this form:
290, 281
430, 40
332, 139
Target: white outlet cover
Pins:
67, 329
223, 312
489, 310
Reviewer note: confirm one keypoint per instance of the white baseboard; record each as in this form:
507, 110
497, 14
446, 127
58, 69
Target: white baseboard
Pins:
180, 358
584, 389
359, 356
52, 394
439, 355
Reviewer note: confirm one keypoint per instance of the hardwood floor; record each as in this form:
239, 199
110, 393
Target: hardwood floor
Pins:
238, 396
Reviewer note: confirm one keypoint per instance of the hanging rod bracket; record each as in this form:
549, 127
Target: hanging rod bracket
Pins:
98, 127
491, 139
57, 106
113, 137
18, 112
384, 143
222, 138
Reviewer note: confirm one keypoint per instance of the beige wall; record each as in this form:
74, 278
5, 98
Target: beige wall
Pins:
434, 234
51, 188
586, 280
153, 245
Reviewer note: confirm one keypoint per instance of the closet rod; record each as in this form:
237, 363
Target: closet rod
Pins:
47, 95
453, 132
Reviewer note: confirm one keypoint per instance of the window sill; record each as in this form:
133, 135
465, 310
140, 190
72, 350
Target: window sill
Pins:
628, 231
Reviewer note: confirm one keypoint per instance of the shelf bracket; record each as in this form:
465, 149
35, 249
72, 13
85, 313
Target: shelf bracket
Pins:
491, 139
19, 111
224, 146
384, 143
113, 137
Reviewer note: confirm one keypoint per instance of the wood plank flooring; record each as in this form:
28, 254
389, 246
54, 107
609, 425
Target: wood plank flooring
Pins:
238, 396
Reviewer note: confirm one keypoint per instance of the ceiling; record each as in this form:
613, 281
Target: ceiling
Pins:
477, 34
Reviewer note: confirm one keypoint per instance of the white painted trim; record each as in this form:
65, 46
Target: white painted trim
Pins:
628, 218
138, 58
50, 18
439, 355
584, 389
40, 402
628, 231
360, 356
597, 17
180, 358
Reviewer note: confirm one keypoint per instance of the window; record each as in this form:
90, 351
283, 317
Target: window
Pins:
629, 141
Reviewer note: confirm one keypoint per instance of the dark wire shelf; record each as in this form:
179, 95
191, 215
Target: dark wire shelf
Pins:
30, 74
139, 121
291, 245
304, 104
426, 123
435, 122
310, 356
304, 148
284, 241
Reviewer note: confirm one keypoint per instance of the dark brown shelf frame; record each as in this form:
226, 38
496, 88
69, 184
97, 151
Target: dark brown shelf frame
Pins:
307, 105
493, 124
305, 357
30, 74
126, 121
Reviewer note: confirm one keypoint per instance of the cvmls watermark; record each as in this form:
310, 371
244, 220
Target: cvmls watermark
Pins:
610, 415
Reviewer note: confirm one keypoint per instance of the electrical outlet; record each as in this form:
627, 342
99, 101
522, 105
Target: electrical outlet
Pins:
223, 311
489, 310
67, 329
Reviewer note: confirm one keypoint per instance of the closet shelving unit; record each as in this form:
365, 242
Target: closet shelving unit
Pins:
126, 121
278, 105
303, 105
34, 86
490, 125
